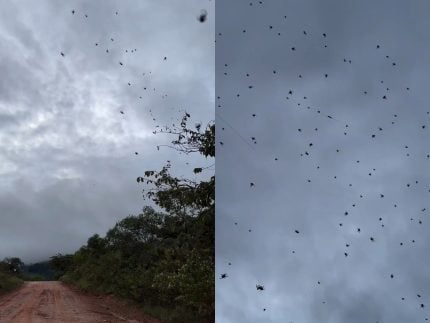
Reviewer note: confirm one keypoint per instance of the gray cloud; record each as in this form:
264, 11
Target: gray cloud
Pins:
67, 163
357, 288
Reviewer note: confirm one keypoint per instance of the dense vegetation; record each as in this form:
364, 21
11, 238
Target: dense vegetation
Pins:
13, 272
162, 258
38, 271
10, 274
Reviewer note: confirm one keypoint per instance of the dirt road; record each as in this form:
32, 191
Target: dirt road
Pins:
55, 302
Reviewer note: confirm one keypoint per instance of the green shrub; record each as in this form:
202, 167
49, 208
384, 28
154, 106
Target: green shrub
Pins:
8, 282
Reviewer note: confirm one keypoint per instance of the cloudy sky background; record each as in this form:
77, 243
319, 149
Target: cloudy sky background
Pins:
67, 163
356, 288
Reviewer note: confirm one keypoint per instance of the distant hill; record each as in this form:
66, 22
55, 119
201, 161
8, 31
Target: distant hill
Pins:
40, 270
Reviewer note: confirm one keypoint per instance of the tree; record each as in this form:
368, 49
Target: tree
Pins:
60, 264
181, 195
14, 265
188, 271
162, 258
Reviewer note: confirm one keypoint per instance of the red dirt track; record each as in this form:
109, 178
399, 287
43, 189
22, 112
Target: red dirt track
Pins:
56, 302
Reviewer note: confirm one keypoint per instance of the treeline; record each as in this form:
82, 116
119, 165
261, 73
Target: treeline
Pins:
163, 258
38, 271
10, 274
13, 272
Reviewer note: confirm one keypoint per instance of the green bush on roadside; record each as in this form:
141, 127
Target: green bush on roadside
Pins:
8, 282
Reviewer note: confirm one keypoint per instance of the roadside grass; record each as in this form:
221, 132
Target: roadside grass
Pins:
170, 315
9, 283
164, 314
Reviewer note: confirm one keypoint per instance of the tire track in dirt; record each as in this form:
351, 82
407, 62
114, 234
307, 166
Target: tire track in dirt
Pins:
39, 302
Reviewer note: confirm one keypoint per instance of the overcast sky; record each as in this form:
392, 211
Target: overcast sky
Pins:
68, 167
312, 187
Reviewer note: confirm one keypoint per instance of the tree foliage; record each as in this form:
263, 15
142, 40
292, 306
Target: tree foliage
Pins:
10, 270
14, 265
60, 264
159, 258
